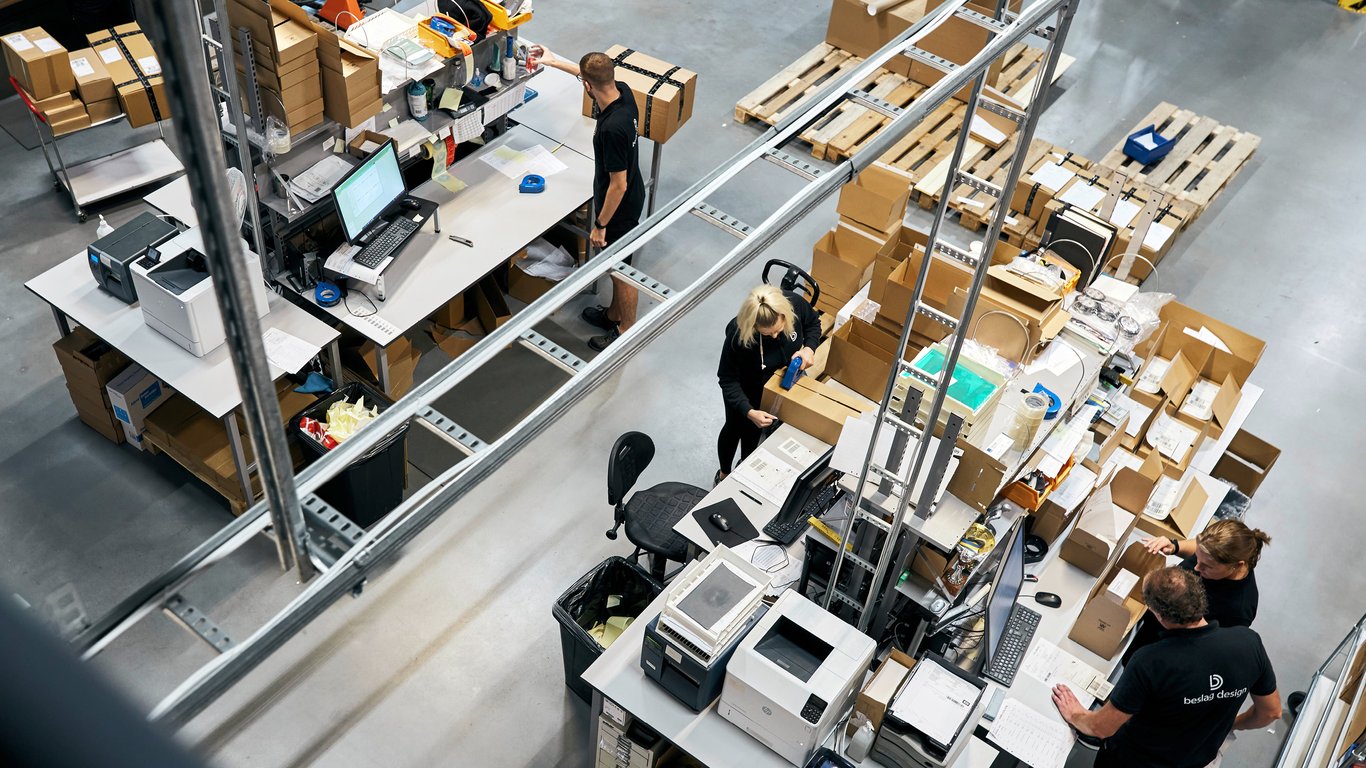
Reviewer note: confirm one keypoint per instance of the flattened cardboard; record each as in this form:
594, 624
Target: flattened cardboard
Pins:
1106, 619
877, 197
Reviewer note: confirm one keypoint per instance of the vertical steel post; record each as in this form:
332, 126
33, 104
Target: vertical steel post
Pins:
175, 29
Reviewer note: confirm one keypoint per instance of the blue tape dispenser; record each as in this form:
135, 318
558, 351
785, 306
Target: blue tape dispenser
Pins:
532, 184
793, 372
1054, 402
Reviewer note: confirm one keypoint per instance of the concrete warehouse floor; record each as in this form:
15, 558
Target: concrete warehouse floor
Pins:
451, 657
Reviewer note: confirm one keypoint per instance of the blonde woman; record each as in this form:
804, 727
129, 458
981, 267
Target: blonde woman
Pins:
772, 328
1225, 557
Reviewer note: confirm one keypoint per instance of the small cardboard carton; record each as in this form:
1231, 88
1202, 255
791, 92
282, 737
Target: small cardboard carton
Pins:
136, 72
133, 394
89, 363
853, 29
1236, 345
1107, 518
812, 405
99, 111
92, 77
907, 240
1246, 462
1061, 507
664, 93
1038, 309
1180, 522
1106, 438
978, 478
38, 62
861, 361
876, 197
842, 260
525, 287
1044, 180
1109, 615
877, 695
1167, 435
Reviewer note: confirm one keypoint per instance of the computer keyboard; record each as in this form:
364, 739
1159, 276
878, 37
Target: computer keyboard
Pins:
786, 531
384, 244
1005, 662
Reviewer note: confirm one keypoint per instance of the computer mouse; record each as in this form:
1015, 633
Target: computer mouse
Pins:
719, 520
410, 204
1048, 599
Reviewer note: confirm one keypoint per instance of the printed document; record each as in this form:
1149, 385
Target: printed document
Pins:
1030, 737
935, 701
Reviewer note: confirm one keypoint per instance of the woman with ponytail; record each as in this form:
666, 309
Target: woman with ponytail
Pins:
771, 329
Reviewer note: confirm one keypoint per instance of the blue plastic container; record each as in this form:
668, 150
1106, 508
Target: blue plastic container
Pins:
1139, 151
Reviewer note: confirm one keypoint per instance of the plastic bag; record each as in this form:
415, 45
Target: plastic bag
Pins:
1145, 309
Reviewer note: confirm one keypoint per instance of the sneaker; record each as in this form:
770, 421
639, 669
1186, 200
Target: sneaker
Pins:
598, 316
720, 475
599, 343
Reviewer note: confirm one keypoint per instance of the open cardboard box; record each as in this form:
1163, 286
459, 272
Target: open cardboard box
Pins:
957, 40
1242, 346
877, 197
1246, 462
1180, 522
1038, 309
812, 405
1170, 465
853, 29
1106, 521
1226, 397
945, 276
877, 695
1106, 618
861, 358
908, 238
1106, 438
842, 260
1061, 507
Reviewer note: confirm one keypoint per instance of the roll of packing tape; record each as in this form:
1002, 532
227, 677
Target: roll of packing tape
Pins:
532, 184
327, 295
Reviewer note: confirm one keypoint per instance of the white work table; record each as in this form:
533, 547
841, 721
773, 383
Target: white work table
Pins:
557, 111
490, 211
208, 381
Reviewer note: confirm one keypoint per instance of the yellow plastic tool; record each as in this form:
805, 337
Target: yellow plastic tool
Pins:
501, 20
828, 532
439, 43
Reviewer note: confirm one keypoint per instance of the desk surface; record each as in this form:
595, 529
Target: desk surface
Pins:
208, 381
175, 199
557, 111
432, 270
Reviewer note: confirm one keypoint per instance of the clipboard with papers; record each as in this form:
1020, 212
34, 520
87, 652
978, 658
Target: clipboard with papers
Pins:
935, 703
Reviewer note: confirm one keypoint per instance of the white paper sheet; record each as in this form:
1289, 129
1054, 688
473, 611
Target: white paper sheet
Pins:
1038, 741
341, 262
1083, 196
1074, 490
1124, 213
287, 351
18, 42
1170, 437
1052, 176
1208, 336
47, 44
110, 55
1150, 380
515, 164
1122, 583
935, 701
317, 182
81, 67
767, 475
1052, 665
783, 567
1157, 236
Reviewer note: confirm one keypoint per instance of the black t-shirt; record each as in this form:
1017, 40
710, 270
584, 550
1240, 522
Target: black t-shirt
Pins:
1231, 604
1184, 692
743, 370
614, 150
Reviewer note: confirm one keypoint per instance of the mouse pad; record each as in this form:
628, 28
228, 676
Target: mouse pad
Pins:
741, 529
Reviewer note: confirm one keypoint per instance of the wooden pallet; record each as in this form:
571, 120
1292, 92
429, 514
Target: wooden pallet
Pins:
789, 89
1205, 159
974, 207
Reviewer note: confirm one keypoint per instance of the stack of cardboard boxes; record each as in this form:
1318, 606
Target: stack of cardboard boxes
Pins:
89, 364
39, 63
132, 65
350, 74
133, 394
288, 71
95, 85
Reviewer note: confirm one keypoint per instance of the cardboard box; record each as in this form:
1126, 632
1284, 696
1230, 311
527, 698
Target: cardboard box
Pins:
1170, 465
1243, 347
490, 306
38, 62
859, 362
99, 111
357, 146
1246, 462
665, 102
957, 40
349, 74
92, 77
812, 406
852, 29
1045, 178
1106, 619
1180, 522
1107, 518
133, 66
842, 260
89, 363
522, 286
133, 394
829, 303
882, 687
1057, 511
876, 197
978, 478
944, 278
1105, 439
453, 314
1038, 309
403, 358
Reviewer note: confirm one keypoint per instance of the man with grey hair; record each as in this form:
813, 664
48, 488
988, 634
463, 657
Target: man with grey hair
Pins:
1179, 698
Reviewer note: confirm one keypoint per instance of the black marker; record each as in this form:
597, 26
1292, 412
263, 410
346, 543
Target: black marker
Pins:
751, 498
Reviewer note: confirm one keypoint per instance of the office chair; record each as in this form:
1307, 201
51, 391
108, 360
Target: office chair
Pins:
649, 515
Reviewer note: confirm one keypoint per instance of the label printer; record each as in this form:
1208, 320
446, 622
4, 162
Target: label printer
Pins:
709, 609
111, 256
795, 676
176, 292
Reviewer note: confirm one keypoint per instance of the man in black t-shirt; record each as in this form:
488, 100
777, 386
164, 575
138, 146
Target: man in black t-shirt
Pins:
1180, 697
618, 189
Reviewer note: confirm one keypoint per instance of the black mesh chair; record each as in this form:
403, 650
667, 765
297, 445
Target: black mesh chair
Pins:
649, 515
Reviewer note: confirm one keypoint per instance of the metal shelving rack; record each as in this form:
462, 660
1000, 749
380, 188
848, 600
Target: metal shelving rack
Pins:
344, 555
1334, 703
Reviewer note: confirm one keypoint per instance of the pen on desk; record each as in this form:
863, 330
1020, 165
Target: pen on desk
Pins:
462, 240
751, 498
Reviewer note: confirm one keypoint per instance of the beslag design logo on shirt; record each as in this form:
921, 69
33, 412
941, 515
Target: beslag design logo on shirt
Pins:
1216, 683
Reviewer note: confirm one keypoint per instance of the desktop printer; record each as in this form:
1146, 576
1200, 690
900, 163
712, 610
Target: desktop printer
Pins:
176, 291
794, 676
709, 609
111, 255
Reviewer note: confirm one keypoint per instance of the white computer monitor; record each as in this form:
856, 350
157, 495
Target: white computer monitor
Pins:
368, 189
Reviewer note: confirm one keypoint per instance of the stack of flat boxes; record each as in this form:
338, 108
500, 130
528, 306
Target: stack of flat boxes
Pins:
39, 63
288, 71
89, 364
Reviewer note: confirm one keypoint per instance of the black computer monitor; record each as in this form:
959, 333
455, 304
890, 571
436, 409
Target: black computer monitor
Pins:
807, 483
368, 189
1005, 591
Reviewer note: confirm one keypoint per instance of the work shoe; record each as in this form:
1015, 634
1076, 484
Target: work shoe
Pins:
598, 316
599, 343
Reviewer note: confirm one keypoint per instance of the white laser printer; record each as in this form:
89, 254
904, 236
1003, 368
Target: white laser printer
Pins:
794, 676
176, 292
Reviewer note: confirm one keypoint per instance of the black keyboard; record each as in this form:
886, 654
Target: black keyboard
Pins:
384, 244
786, 531
1005, 662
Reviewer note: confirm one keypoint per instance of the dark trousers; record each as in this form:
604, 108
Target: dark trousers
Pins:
740, 432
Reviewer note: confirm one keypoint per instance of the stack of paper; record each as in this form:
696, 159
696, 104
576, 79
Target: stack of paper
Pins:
1038, 741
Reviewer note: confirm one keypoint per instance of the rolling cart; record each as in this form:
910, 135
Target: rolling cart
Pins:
104, 177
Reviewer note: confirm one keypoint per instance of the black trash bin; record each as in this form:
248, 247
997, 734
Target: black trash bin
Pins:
585, 604
372, 486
